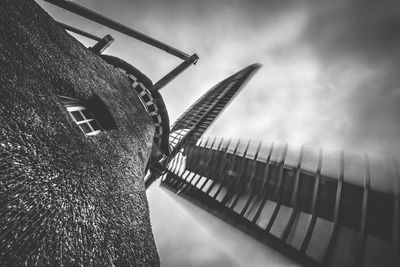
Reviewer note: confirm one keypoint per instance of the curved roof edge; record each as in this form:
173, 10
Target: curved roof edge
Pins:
152, 100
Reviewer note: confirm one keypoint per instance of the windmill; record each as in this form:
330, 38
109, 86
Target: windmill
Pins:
307, 209
310, 215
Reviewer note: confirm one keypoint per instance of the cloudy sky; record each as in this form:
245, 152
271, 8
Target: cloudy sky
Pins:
330, 77
330, 71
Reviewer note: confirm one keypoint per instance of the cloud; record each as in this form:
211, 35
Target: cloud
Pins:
335, 85
357, 44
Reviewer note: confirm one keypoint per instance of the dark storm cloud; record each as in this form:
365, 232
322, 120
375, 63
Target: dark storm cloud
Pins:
361, 38
364, 29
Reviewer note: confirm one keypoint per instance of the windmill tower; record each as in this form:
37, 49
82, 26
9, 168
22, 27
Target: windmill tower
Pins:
77, 131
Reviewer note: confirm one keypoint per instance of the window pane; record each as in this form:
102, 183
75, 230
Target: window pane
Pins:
87, 114
94, 125
77, 115
85, 128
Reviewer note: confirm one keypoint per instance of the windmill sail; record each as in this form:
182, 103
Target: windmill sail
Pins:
198, 117
317, 209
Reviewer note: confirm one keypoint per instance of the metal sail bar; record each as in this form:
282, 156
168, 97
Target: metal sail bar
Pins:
79, 31
198, 117
91, 15
103, 20
319, 208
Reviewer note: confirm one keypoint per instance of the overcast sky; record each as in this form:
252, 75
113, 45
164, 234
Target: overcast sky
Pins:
330, 71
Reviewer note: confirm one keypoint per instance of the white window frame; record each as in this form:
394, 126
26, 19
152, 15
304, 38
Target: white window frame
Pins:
86, 120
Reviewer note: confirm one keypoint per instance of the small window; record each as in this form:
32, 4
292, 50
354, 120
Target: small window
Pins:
92, 115
84, 119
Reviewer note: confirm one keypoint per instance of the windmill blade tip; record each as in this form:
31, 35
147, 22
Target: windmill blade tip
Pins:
256, 65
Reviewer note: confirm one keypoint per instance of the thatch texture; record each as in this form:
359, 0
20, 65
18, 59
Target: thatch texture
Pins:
66, 198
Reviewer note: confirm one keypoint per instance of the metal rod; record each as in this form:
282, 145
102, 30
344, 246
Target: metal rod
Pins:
294, 200
173, 170
363, 227
334, 235
278, 190
94, 16
174, 73
242, 172
177, 168
193, 174
216, 169
311, 226
186, 174
205, 166
210, 156
264, 185
396, 215
231, 163
201, 151
103, 44
78, 31
216, 148
251, 182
